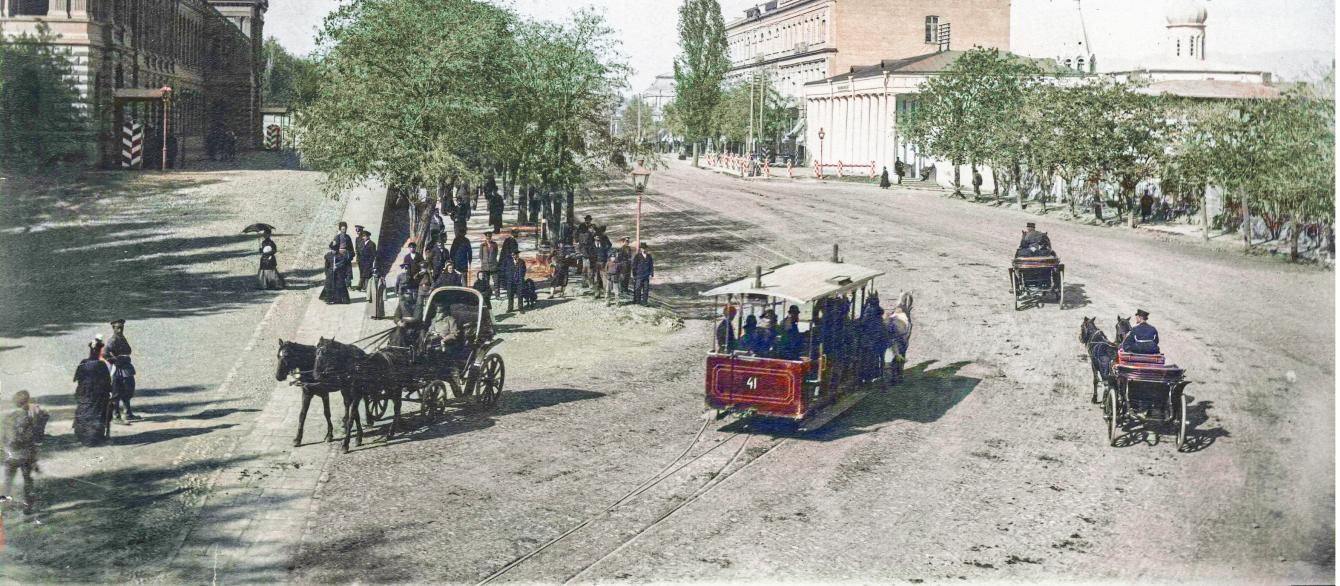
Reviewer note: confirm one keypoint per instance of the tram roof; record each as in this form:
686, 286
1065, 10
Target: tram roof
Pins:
803, 282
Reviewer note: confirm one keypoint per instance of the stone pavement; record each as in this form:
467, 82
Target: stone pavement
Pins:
253, 520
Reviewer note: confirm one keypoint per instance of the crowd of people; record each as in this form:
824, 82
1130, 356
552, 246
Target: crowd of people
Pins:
607, 271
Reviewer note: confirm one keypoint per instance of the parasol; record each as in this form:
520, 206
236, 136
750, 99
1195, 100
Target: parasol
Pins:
258, 227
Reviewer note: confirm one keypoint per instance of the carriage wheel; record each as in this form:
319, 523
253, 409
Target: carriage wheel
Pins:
489, 387
1060, 290
1013, 284
1181, 423
434, 394
1112, 421
376, 409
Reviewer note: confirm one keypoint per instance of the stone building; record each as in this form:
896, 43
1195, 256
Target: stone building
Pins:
800, 41
207, 51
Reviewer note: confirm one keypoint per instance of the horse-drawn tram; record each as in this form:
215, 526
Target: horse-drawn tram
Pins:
804, 367
1149, 393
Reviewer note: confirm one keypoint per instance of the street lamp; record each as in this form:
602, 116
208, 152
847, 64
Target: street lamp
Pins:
819, 161
641, 175
167, 106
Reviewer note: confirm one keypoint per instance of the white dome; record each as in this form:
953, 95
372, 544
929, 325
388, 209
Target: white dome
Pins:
1186, 12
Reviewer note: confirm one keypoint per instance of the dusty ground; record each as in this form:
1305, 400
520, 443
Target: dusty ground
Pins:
989, 463
164, 252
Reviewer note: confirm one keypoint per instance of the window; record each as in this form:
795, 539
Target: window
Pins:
932, 26
1179, 48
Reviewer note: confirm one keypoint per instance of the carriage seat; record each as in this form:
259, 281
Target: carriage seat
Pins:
1036, 262
1147, 367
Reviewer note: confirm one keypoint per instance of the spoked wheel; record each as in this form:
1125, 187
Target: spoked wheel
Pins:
489, 387
434, 396
1181, 421
377, 409
1113, 419
1013, 284
1060, 290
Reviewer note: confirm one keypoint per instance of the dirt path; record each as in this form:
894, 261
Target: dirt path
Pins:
989, 463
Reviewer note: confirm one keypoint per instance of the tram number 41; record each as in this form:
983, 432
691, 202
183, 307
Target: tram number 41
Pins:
752, 383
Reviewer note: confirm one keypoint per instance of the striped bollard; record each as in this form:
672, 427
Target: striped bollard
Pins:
872, 169
272, 137
789, 173
839, 168
132, 145
767, 169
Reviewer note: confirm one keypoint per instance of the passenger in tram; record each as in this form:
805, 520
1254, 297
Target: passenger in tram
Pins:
766, 335
790, 341
726, 332
748, 341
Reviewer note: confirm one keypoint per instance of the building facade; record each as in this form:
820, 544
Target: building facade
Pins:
799, 41
207, 51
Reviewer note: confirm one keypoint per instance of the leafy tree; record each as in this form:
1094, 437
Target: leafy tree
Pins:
289, 80
637, 122
42, 114
700, 67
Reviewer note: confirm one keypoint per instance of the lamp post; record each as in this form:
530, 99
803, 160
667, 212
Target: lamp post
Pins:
167, 106
819, 161
640, 177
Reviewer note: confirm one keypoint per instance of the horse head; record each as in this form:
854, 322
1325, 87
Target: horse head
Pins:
1123, 328
905, 302
1087, 328
283, 368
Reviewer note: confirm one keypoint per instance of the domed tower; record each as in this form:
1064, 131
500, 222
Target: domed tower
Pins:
1186, 31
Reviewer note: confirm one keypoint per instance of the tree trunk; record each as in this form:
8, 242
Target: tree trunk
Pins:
957, 184
523, 207
1019, 186
1129, 194
1246, 225
1205, 213
1293, 238
995, 184
572, 210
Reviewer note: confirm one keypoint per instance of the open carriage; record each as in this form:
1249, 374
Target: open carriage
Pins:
802, 378
450, 351
1034, 279
1148, 393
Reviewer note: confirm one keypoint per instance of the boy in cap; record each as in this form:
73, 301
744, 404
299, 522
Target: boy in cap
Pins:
23, 428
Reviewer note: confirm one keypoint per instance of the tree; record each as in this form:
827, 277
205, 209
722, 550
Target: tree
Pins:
42, 115
289, 80
700, 66
637, 122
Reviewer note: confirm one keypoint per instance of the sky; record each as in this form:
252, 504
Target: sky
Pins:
1290, 37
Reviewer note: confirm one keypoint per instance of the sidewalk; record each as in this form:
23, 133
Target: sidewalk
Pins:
257, 511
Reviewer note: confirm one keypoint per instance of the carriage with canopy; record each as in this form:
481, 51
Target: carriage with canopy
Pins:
806, 377
1036, 274
450, 347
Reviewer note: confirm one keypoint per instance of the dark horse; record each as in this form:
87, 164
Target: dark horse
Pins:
301, 358
361, 378
1123, 328
1102, 355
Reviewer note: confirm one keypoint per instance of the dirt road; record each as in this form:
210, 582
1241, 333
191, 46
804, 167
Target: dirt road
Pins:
988, 463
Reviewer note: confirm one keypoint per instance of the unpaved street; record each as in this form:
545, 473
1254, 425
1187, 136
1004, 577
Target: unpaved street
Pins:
988, 463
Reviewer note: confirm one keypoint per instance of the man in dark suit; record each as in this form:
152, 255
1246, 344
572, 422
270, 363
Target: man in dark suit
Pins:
1143, 337
412, 260
366, 250
644, 268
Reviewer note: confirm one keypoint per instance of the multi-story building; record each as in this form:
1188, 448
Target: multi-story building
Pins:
799, 41
207, 51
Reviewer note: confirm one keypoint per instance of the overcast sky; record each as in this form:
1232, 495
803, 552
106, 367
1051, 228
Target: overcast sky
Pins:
1288, 37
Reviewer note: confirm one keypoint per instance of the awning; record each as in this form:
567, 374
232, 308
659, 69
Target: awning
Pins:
803, 282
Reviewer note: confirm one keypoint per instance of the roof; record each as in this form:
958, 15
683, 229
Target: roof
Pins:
802, 282
1211, 89
922, 64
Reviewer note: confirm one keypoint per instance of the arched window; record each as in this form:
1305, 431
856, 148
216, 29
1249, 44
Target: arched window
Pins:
1079, 64
1191, 46
1179, 48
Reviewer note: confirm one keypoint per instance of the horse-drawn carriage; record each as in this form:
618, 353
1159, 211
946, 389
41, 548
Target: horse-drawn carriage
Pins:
1148, 393
805, 378
1035, 278
442, 354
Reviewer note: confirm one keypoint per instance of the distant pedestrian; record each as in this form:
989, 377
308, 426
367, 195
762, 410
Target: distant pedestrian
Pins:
496, 203
482, 285
268, 277
462, 252
450, 277
93, 392
407, 292
884, 179
366, 251
1146, 205
412, 259
488, 262
558, 281
625, 256
899, 169
976, 182
117, 354
336, 289
23, 428
516, 279
644, 268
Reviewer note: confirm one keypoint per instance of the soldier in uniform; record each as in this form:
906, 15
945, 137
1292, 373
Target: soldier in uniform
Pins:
23, 428
1143, 338
117, 354
366, 250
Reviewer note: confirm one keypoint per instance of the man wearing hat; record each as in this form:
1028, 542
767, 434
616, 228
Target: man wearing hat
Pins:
1034, 243
366, 250
726, 331
412, 259
1143, 338
644, 268
117, 354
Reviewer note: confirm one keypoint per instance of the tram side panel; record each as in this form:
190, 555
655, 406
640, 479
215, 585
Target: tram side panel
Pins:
766, 386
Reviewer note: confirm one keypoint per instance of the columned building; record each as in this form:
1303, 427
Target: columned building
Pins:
207, 51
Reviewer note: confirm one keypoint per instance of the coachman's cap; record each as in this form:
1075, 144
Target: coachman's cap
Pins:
118, 322
358, 228
1030, 225
1142, 313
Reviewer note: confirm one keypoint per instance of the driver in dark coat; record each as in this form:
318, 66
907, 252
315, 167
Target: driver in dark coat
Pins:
1034, 243
1143, 337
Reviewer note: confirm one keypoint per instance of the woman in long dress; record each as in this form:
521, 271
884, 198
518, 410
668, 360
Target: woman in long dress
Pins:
337, 286
94, 390
268, 276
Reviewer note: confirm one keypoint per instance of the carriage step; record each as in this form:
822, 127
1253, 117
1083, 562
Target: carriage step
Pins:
833, 411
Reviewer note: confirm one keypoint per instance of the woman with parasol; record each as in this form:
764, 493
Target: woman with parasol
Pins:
268, 276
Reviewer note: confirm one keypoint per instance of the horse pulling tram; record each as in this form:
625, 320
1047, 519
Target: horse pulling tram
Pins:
1035, 278
1148, 393
802, 381
445, 354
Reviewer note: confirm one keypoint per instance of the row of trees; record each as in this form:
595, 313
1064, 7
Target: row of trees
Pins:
455, 91
1037, 128
42, 122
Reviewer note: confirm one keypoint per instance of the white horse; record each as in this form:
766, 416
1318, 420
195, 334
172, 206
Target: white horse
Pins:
899, 323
